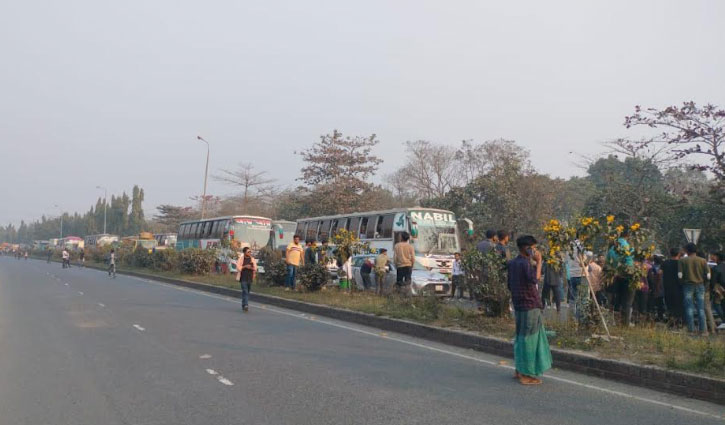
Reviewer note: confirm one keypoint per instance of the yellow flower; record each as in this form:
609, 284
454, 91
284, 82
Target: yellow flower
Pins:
635, 226
620, 229
586, 221
610, 218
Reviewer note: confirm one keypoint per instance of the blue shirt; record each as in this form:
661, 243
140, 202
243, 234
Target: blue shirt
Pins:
614, 257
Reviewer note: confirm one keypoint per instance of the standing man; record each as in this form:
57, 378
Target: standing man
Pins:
294, 257
692, 271
672, 288
311, 252
247, 268
365, 271
624, 295
381, 270
404, 257
488, 244
50, 255
502, 245
66, 258
531, 349
82, 258
457, 277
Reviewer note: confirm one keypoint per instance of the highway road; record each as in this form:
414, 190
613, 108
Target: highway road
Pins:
79, 348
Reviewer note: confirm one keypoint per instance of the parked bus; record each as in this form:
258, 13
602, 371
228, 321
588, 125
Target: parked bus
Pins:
249, 231
165, 240
434, 232
98, 241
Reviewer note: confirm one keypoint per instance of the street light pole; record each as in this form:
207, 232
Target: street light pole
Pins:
105, 206
206, 172
61, 221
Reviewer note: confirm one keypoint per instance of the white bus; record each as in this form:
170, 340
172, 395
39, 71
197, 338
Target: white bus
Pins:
434, 232
248, 230
282, 233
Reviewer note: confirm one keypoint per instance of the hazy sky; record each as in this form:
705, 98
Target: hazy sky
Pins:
114, 93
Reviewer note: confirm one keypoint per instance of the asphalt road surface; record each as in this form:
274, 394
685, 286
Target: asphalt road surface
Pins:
77, 347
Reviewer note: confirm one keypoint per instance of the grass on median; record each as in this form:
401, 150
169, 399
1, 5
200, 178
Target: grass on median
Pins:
650, 344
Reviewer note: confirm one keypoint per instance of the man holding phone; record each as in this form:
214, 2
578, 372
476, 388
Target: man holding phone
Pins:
247, 268
531, 348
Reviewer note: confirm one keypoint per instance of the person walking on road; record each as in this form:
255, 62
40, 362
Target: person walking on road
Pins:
404, 257
82, 258
294, 258
532, 355
692, 271
66, 258
246, 271
50, 255
382, 263
112, 264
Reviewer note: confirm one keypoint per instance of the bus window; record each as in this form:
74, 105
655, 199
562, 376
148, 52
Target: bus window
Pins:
324, 231
192, 230
312, 230
363, 228
372, 227
301, 228
386, 226
354, 225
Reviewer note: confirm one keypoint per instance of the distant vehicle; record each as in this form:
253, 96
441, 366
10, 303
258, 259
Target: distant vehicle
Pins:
98, 241
144, 240
72, 242
424, 281
434, 233
40, 245
165, 240
223, 232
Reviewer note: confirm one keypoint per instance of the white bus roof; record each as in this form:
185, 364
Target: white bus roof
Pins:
227, 217
367, 213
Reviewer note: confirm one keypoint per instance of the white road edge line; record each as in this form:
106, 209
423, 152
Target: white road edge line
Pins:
452, 353
139, 327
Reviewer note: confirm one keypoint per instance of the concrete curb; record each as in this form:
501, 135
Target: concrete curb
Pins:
652, 377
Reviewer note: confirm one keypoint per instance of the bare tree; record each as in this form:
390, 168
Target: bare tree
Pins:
689, 130
249, 180
430, 169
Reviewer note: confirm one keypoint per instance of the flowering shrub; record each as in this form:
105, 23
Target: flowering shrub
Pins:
197, 261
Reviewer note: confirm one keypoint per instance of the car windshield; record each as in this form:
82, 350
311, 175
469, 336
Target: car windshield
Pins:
436, 240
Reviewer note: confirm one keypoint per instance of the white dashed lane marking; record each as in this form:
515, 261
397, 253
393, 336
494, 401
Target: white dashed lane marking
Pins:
205, 356
224, 380
212, 372
101, 305
139, 327
80, 292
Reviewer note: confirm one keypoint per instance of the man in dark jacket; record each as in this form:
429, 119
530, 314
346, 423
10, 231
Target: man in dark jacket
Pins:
672, 288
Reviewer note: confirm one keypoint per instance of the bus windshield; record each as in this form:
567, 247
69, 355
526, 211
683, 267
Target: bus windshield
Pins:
434, 239
252, 231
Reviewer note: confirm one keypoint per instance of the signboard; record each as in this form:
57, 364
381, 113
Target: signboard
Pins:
433, 218
692, 235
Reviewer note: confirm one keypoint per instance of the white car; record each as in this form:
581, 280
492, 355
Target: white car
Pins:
424, 281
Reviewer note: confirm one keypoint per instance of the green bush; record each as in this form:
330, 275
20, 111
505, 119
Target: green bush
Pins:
197, 261
312, 277
486, 278
165, 260
275, 268
140, 257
